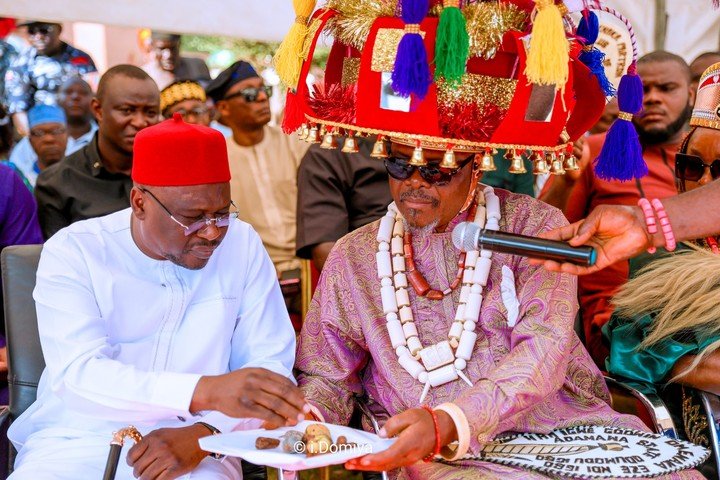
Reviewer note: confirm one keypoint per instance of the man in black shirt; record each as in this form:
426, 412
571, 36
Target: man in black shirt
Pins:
337, 193
95, 180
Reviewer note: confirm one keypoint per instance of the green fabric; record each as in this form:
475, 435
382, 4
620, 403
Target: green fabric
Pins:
516, 183
452, 46
649, 366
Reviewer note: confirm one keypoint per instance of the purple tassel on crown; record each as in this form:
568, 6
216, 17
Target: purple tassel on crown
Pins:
621, 155
411, 73
587, 31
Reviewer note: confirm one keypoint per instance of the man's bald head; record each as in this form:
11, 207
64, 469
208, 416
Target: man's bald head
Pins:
126, 71
661, 56
701, 63
127, 101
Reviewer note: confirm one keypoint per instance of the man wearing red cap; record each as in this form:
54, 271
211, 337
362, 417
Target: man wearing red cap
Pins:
166, 316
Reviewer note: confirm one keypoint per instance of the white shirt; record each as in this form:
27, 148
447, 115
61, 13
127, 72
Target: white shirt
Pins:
23, 155
126, 338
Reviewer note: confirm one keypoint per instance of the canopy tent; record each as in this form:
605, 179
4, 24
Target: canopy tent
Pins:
265, 20
685, 27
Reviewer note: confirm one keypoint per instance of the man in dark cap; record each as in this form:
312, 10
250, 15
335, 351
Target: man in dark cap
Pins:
263, 161
168, 66
36, 75
167, 316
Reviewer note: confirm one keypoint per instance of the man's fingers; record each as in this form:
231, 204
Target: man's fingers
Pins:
563, 233
282, 387
278, 406
143, 463
392, 458
395, 425
154, 470
135, 452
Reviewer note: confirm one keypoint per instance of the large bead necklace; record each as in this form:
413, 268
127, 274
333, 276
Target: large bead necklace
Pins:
445, 361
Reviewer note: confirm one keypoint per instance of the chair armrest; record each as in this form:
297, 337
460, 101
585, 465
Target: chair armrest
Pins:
653, 404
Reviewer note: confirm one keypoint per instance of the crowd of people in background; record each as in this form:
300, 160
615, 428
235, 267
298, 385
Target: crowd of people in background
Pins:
72, 146
67, 136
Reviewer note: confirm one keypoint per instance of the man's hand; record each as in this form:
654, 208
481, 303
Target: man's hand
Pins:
167, 453
416, 440
252, 393
617, 233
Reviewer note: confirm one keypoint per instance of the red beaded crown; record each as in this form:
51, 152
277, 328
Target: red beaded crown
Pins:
447, 75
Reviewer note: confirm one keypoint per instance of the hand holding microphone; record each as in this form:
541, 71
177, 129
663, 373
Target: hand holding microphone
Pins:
468, 236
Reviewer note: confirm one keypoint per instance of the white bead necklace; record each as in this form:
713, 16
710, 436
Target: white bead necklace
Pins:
445, 361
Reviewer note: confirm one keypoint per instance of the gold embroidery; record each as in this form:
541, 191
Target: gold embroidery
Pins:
354, 20
307, 43
695, 422
385, 48
479, 89
181, 91
350, 71
487, 22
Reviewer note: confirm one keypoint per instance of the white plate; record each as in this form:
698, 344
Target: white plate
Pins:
242, 444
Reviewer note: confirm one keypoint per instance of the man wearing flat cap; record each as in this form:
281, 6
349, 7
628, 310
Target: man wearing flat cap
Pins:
167, 66
263, 161
167, 316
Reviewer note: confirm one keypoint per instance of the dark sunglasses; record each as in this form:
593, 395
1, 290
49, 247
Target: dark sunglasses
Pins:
41, 29
692, 167
400, 169
251, 94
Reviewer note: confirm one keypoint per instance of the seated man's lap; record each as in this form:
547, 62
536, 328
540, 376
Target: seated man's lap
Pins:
72, 458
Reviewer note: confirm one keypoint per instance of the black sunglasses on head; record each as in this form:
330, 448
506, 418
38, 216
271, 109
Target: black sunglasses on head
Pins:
251, 94
434, 174
692, 167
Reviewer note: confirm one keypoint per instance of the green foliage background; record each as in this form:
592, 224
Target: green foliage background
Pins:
258, 53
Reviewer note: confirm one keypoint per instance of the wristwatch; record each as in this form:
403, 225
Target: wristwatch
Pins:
214, 431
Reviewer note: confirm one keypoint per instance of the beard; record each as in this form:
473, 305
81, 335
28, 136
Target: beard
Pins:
420, 232
663, 135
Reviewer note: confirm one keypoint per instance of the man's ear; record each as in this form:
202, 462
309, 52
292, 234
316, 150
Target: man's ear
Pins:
691, 99
223, 108
96, 109
137, 203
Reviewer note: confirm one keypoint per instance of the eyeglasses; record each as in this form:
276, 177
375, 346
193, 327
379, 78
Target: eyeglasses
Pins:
251, 94
195, 112
220, 221
433, 174
41, 29
56, 132
692, 167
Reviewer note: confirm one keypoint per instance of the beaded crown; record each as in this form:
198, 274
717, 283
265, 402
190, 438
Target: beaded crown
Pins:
706, 112
449, 75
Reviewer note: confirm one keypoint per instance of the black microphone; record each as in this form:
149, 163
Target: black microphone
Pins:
468, 236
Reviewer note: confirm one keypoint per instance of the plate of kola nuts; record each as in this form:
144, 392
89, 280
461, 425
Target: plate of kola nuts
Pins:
306, 445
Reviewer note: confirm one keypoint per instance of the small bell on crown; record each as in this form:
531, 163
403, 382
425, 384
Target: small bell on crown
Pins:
540, 165
379, 149
329, 141
313, 135
571, 163
517, 165
448, 160
350, 145
556, 165
418, 157
303, 132
487, 162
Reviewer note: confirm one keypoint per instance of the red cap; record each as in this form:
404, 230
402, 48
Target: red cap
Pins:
174, 153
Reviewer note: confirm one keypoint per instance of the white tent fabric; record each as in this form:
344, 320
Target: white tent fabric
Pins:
692, 25
266, 20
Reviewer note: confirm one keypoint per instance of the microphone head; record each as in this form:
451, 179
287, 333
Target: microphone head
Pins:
464, 236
